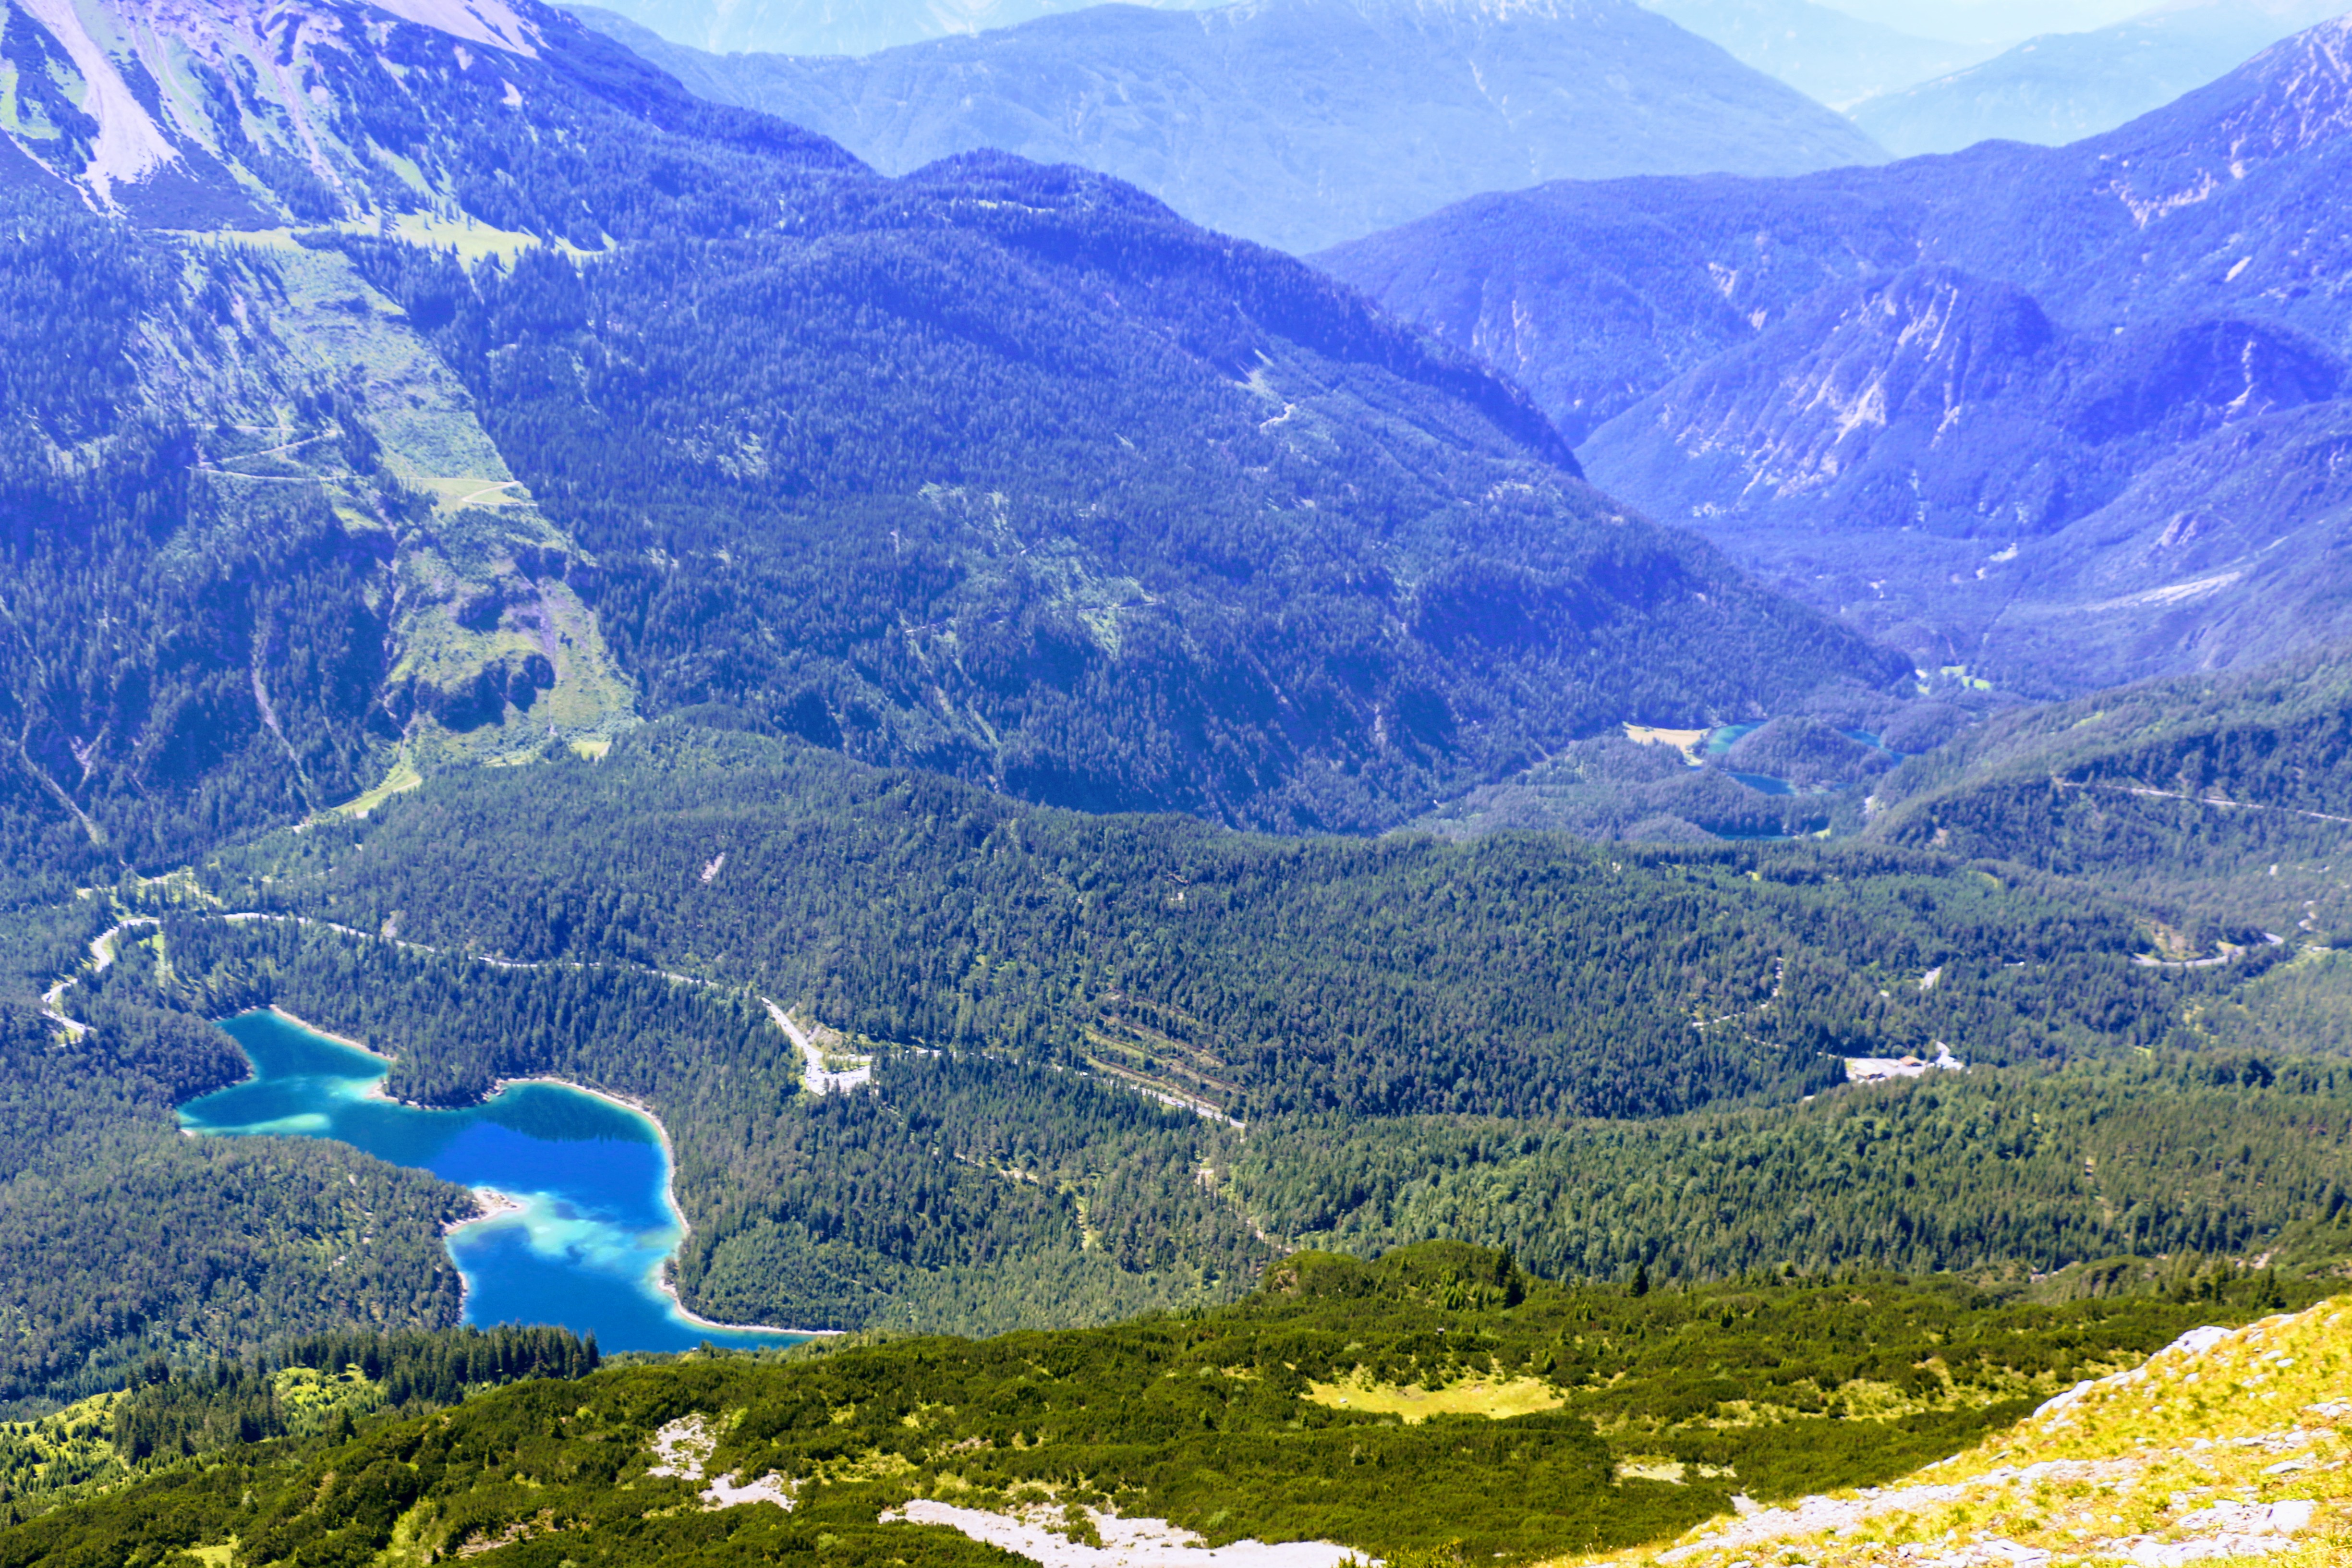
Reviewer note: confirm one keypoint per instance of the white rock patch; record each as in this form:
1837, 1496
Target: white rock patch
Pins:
1126, 1543
683, 1448
770, 1487
682, 1452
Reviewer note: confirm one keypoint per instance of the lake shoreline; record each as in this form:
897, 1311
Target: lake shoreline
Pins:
360, 1046
494, 1204
659, 1279
489, 1204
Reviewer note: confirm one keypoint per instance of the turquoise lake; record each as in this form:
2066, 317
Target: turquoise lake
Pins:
585, 1247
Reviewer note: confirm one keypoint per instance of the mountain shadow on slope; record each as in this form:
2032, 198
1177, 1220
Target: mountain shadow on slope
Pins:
998, 469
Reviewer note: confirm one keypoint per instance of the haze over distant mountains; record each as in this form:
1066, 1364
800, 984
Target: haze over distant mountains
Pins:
1302, 122
2061, 87
1995, 21
1826, 54
2072, 415
863, 26
832, 26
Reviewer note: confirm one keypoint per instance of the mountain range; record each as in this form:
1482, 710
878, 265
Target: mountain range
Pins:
519, 395
1826, 54
2062, 87
873, 706
1299, 124
2063, 415
828, 26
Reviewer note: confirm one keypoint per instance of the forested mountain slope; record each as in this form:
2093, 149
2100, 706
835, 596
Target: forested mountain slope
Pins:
2225, 796
1979, 403
1120, 1063
1265, 976
1300, 123
1020, 973
386, 475
1537, 1418
113, 1220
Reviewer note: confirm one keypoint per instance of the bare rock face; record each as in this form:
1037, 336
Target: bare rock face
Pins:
1987, 406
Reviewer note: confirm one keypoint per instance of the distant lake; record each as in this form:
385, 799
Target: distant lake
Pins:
585, 1246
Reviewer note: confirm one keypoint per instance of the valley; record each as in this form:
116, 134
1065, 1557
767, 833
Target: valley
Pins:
774, 808
2023, 410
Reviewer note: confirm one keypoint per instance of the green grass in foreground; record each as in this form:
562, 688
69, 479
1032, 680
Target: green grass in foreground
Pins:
1215, 1421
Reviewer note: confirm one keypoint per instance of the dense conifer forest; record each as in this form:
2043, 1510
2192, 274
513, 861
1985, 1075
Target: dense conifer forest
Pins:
1519, 976
1401, 1039
149, 1242
132, 721
2222, 800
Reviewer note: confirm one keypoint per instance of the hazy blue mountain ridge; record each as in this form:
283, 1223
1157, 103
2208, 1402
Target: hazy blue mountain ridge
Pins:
1302, 122
2000, 352
2062, 87
832, 26
1826, 54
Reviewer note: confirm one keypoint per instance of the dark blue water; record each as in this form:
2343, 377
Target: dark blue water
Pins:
593, 1224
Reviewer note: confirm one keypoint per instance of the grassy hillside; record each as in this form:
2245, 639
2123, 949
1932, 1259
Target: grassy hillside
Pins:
2228, 1446
1438, 1399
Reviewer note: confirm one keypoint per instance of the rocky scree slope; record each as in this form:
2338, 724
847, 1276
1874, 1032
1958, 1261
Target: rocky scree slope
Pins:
2227, 1446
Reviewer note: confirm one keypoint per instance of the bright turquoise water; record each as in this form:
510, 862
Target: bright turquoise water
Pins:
1729, 736
585, 1247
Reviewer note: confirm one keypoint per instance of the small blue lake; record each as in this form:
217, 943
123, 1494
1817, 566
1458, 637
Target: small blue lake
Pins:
1765, 783
593, 1224
1729, 736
